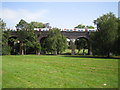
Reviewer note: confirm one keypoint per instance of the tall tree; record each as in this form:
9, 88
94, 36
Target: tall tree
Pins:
33, 39
5, 38
116, 47
55, 43
22, 28
27, 37
2, 24
103, 40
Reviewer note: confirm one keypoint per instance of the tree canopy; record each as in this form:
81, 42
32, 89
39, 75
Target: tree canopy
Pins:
55, 43
5, 38
84, 26
103, 40
2, 24
28, 40
37, 24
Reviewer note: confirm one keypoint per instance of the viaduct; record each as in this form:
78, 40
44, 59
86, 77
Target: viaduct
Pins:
71, 35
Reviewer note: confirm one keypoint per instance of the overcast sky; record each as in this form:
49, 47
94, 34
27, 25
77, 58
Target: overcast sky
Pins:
58, 14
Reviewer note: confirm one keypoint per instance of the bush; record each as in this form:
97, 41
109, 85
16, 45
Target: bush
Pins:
6, 50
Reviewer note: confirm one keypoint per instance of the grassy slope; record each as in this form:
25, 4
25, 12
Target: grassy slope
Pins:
59, 72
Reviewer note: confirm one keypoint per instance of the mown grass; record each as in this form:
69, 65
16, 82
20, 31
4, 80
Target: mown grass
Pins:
32, 71
76, 51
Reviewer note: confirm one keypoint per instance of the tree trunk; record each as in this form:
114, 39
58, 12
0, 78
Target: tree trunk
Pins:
37, 53
25, 51
78, 51
108, 54
55, 52
22, 52
21, 49
89, 49
83, 51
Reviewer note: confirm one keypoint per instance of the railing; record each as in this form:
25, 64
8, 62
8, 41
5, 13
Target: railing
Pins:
69, 30
63, 30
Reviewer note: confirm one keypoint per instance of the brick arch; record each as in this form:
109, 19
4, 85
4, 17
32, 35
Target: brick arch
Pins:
71, 35
42, 39
11, 42
75, 35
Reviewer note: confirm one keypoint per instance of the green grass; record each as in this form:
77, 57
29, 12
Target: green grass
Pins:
76, 51
30, 71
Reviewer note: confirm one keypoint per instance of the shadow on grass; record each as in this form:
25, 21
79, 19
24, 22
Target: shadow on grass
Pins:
81, 56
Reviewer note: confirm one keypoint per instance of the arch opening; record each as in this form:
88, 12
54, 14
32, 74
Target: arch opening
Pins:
82, 45
68, 49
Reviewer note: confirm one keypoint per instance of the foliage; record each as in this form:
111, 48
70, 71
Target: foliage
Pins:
28, 40
80, 26
84, 26
90, 27
5, 38
37, 25
103, 40
33, 39
22, 28
2, 24
37, 47
81, 43
55, 43
116, 47
6, 50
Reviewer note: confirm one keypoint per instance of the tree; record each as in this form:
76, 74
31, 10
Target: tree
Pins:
6, 49
103, 40
80, 26
116, 47
90, 27
2, 25
55, 43
36, 43
28, 40
37, 47
84, 26
81, 43
37, 24
22, 28
32, 42
5, 38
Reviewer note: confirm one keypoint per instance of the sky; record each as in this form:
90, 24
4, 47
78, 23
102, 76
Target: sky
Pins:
58, 14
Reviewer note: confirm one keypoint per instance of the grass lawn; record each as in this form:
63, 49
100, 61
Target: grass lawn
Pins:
33, 71
76, 51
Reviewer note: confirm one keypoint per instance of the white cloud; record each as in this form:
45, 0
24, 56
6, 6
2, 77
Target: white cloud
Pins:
12, 17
